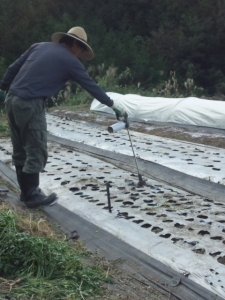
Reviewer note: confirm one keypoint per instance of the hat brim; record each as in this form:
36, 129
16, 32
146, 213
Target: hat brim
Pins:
87, 55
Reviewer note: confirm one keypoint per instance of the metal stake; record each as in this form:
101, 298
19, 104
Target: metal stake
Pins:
141, 182
108, 196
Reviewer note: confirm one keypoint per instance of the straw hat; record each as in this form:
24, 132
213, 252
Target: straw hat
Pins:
79, 34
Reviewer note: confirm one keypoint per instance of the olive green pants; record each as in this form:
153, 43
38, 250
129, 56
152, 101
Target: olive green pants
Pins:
28, 129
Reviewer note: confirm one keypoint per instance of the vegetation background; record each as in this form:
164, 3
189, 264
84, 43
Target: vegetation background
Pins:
136, 43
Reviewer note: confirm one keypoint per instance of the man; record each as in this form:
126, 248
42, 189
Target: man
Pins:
41, 72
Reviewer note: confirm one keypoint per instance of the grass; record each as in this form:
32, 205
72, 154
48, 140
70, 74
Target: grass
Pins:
38, 263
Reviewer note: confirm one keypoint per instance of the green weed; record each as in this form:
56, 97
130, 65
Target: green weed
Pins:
42, 267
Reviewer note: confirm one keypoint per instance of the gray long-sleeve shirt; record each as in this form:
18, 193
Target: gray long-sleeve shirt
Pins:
43, 70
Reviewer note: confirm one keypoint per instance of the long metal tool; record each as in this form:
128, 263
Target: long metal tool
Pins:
141, 182
122, 125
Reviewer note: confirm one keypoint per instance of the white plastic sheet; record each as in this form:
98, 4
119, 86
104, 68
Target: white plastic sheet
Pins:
189, 111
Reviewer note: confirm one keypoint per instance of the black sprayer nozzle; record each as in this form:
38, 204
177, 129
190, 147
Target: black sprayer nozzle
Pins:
141, 181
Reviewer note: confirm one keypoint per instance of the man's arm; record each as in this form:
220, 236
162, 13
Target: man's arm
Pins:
12, 71
80, 75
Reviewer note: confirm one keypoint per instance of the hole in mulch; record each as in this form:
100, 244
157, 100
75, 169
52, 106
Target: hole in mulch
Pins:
167, 221
221, 260
171, 201
221, 221
100, 204
74, 189
148, 201
151, 213
199, 250
161, 216
58, 178
165, 236
213, 254
216, 238
128, 218
138, 221
128, 203
190, 219
178, 225
191, 243
182, 214
65, 182
156, 229
134, 194
203, 232
176, 240
202, 217
93, 201
146, 225
124, 214
208, 200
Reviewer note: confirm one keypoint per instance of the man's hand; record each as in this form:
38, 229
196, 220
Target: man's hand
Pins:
119, 110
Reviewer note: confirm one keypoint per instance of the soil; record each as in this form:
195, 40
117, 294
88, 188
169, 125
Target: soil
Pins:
193, 134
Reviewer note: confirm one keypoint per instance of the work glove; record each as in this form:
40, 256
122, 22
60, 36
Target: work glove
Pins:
119, 110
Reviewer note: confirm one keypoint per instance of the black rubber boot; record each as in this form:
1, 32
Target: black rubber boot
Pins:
33, 197
18, 174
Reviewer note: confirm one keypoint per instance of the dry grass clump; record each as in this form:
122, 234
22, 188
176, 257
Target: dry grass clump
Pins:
28, 222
